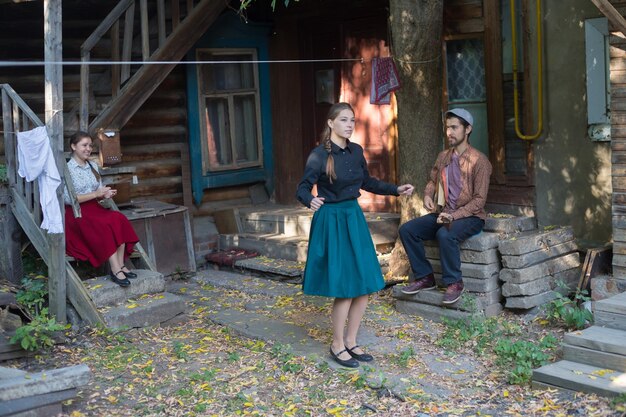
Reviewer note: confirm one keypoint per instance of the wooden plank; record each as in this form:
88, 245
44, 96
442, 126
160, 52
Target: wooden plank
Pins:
32, 230
53, 74
105, 25
175, 12
80, 298
611, 13
145, 30
9, 135
115, 57
161, 22
609, 319
127, 45
83, 111
148, 78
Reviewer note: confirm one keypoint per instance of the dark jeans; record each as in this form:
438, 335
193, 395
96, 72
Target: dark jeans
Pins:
414, 232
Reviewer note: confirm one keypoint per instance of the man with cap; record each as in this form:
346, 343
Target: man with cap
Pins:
455, 195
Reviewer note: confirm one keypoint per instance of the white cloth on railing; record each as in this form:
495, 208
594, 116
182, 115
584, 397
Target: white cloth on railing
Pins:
35, 160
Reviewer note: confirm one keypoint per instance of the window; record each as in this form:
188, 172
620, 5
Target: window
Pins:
229, 109
598, 79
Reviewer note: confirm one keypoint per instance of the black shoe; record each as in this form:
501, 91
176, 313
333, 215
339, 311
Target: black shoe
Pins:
130, 274
363, 357
121, 282
350, 363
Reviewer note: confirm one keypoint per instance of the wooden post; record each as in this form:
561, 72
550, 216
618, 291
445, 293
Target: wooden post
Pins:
53, 55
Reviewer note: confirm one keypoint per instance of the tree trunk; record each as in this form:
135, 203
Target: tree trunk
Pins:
416, 31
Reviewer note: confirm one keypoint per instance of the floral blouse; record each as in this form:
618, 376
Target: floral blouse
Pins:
83, 179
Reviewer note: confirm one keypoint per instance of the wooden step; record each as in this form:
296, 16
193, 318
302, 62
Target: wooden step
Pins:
580, 377
105, 292
143, 311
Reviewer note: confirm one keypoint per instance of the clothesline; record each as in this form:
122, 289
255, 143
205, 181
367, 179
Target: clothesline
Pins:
272, 61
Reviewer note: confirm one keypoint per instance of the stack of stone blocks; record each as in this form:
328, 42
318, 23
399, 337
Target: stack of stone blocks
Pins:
480, 266
537, 263
510, 262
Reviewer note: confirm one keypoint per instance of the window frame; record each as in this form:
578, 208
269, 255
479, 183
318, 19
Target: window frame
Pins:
229, 95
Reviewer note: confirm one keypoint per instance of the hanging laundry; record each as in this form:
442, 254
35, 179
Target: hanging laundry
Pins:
385, 79
35, 160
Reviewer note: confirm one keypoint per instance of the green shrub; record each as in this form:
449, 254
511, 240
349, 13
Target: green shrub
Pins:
569, 312
38, 334
521, 356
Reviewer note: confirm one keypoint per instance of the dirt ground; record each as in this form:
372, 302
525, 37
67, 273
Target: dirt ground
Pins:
195, 367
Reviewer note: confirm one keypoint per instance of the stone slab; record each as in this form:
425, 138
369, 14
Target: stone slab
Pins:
549, 267
564, 282
615, 304
438, 313
470, 270
610, 320
532, 258
599, 338
479, 242
144, 312
509, 224
264, 264
477, 285
530, 301
105, 292
488, 256
579, 377
537, 286
605, 286
531, 241
470, 302
604, 360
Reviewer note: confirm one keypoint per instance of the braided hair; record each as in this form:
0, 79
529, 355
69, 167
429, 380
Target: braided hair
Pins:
333, 112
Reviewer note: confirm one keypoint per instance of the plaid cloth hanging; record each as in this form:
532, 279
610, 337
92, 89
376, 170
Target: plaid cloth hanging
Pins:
384, 80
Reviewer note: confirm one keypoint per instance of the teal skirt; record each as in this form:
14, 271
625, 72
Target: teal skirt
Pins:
341, 260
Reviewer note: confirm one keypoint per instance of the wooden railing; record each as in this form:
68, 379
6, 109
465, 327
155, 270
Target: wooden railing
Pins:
17, 116
159, 21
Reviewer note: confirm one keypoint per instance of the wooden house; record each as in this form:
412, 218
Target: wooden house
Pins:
207, 136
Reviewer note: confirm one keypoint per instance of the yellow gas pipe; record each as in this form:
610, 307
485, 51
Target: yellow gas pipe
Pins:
539, 77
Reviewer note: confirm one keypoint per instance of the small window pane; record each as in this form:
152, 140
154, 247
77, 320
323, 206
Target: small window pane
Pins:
218, 138
466, 70
245, 129
228, 76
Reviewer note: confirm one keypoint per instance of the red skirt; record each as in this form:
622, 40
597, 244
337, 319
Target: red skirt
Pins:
96, 235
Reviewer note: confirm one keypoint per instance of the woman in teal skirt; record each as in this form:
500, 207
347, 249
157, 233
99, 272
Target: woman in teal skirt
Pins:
341, 261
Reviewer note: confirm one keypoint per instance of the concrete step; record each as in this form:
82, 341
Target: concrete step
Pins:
143, 311
611, 312
580, 377
105, 292
291, 248
278, 269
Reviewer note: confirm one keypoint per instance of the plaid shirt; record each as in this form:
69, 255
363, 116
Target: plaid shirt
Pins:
475, 173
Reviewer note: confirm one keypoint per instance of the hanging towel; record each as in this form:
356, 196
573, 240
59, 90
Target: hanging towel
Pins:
35, 160
384, 80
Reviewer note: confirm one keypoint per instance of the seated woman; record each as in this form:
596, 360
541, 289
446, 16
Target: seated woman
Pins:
99, 234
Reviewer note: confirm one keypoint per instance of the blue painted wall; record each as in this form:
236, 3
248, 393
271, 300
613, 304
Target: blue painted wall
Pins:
229, 31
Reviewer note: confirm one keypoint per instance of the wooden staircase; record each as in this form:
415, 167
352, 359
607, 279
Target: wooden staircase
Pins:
25, 206
594, 359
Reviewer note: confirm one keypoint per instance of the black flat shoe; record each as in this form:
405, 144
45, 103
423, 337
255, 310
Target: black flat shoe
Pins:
129, 274
350, 363
363, 357
121, 282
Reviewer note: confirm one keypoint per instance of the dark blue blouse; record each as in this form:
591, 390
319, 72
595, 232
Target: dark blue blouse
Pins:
352, 175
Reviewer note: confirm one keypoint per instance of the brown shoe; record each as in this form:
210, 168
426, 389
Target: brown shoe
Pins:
426, 283
453, 293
